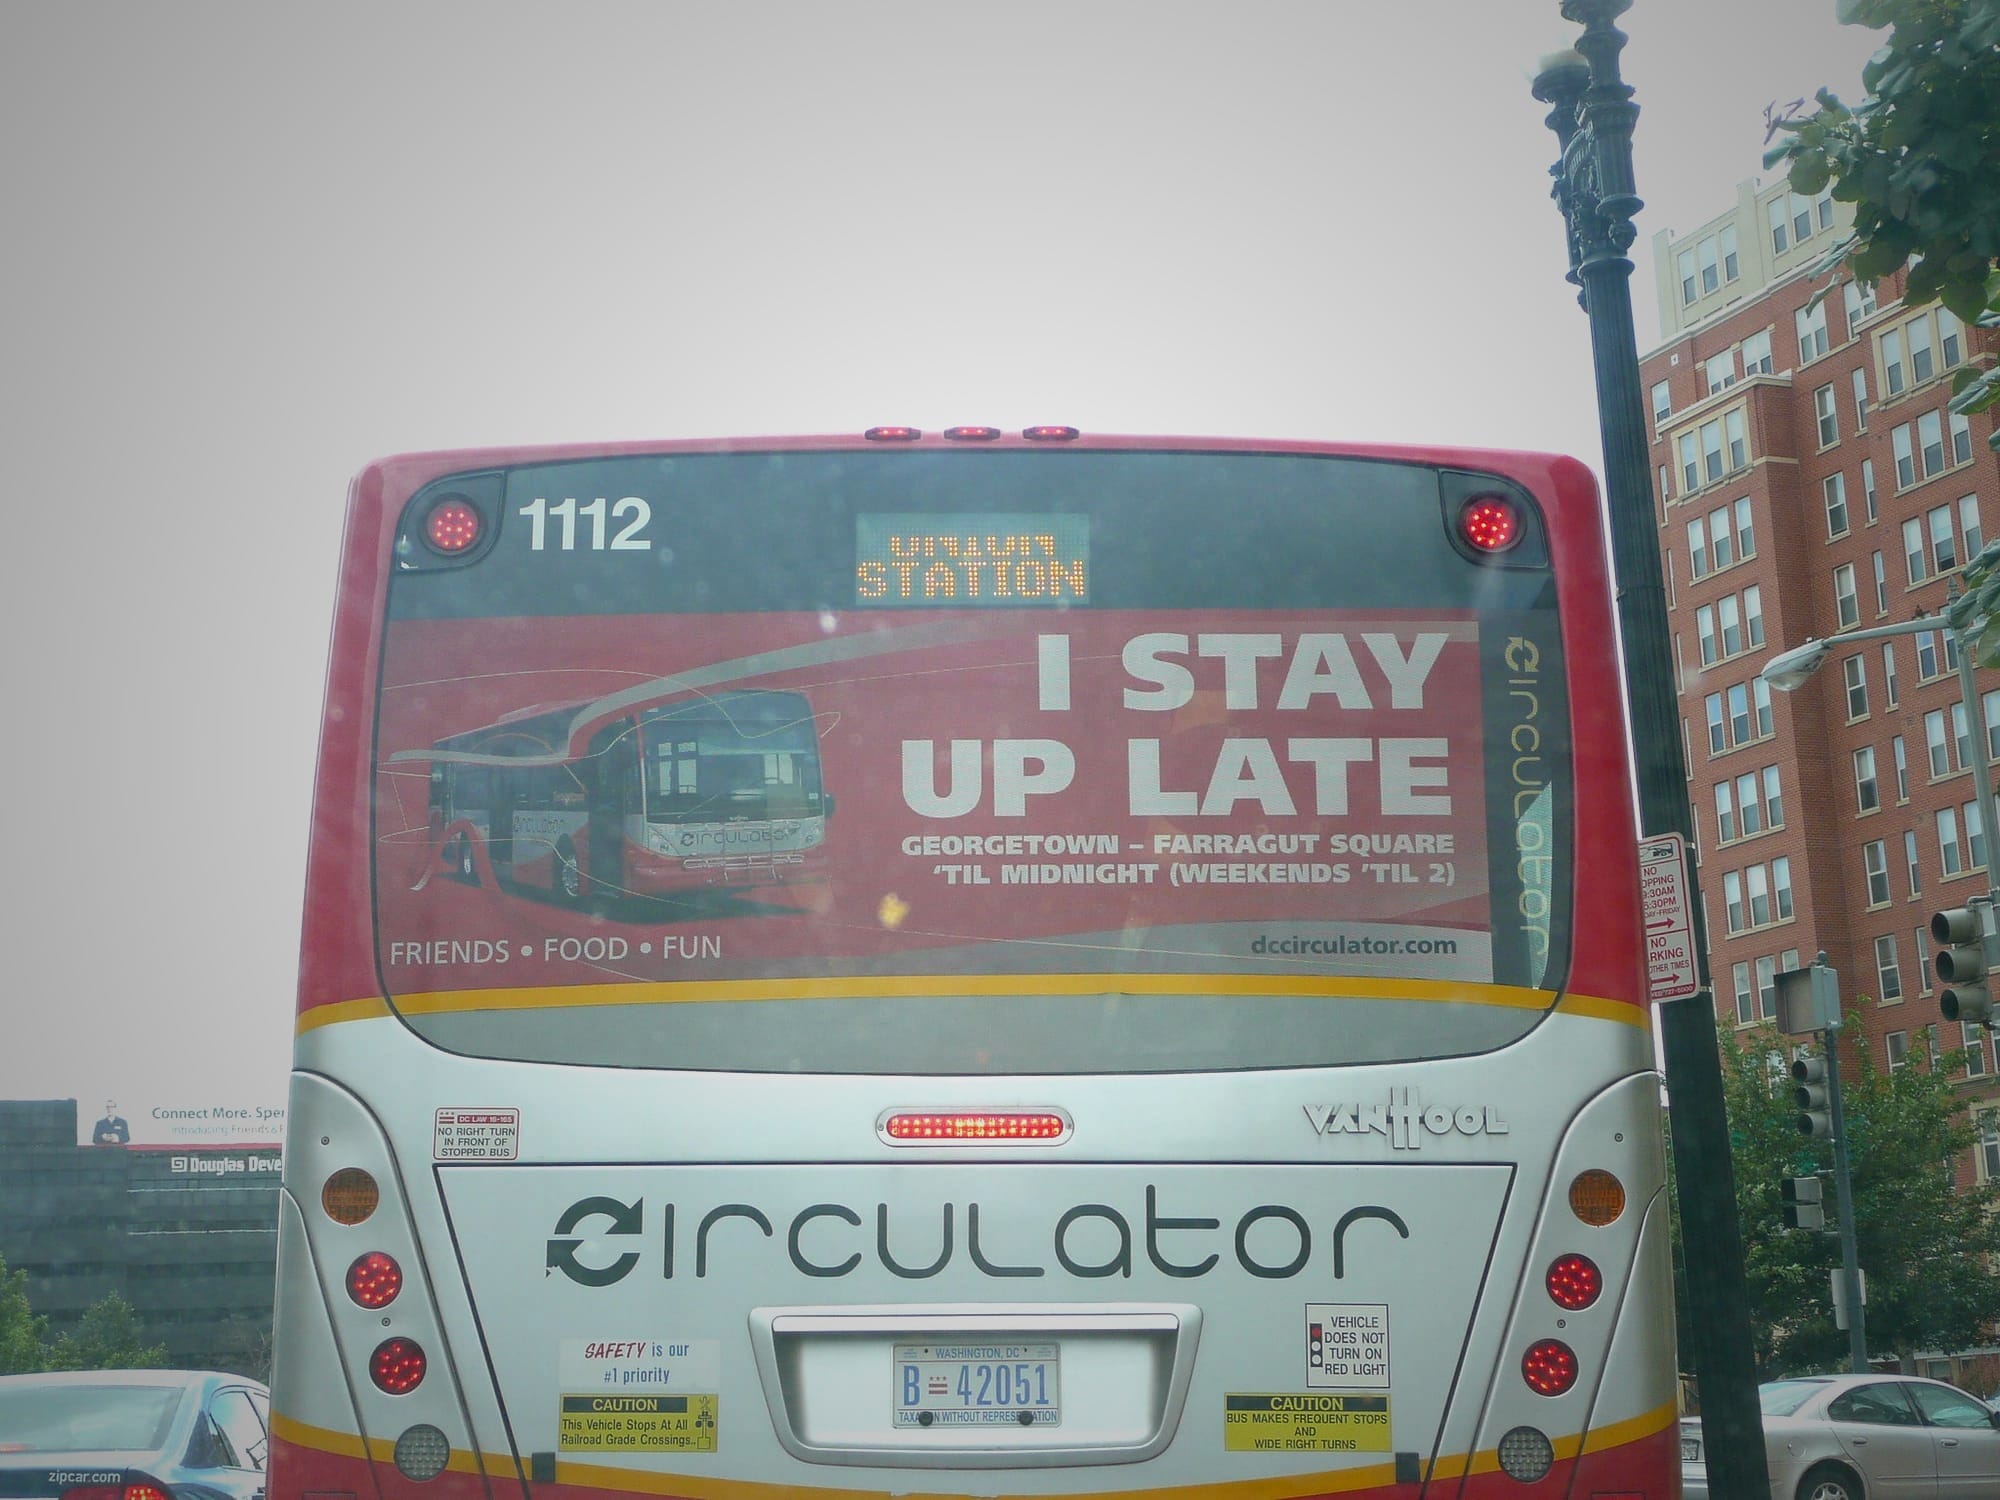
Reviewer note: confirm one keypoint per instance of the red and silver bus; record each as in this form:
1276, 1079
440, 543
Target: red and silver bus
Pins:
1207, 1053
627, 796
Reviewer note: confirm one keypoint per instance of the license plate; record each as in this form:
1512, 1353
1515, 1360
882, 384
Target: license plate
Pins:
978, 1385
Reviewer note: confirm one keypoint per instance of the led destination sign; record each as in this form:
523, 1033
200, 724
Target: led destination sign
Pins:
916, 561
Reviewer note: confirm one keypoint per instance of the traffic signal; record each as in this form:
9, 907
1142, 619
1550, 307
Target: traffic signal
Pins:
1962, 963
1802, 1203
1815, 1111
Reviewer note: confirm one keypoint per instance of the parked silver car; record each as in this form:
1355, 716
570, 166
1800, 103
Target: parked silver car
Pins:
1866, 1437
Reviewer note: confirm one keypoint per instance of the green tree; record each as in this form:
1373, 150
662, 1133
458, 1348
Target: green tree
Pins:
106, 1337
1925, 1244
21, 1332
1919, 159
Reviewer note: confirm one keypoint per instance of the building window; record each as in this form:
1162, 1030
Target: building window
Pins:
1906, 463
1781, 888
1910, 862
1961, 737
1711, 452
1720, 371
1698, 548
1767, 988
1779, 218
1746, 535
1949, 343
1936, 740
1774, 802
1974, 841
1975, 1050
1690, 286
1753, 615
1989, 1146
1927, 654
1834, 486
1922, 363
1746, 794
1860, 379
1740, 976
1663, 405
1896, 1045
1868, 489
1961, 438
1811, 323
1882, 608
1690, 468
1890, 974
1712, 705
1968, 526
1859, 297
1725, 813
1902, 763
1704, 628
1760, 692
1720, 542
1856, 671
1893, 378
1875, 863
1990, 708
1728, 611
1924, 958
1757, 879
1828, 415
1866, 794
1739, 441
1757, 353
1950, 860
1732, 900
1739, 715
1930, 441
1944, 545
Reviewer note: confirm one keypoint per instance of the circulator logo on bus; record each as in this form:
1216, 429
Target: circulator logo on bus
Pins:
1405, 1120
1272, 1241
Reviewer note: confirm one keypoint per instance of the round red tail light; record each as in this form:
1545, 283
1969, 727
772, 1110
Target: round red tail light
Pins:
1490, 523
1575, 1282
397, 1366
452, 525
1549, 1367
374, 1280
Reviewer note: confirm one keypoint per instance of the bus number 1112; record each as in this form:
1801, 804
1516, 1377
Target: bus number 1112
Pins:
629, 537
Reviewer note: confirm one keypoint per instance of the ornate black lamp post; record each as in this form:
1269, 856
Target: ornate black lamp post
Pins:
1592, 114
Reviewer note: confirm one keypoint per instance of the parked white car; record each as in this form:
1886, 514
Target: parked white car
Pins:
1866, 1437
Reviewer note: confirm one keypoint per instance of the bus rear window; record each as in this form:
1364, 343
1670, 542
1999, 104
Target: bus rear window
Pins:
939, 762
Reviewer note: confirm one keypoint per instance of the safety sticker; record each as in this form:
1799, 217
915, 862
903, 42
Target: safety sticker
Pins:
1347, 1346
1304, 1422
477, 1135
637, 1424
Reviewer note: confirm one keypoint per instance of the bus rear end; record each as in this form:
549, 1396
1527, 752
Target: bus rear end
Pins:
1204, 1054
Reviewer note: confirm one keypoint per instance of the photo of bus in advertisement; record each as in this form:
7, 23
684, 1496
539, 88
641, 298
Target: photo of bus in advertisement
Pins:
632, 796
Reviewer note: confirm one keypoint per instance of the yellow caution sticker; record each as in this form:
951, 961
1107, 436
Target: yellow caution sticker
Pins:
637, 1424
1305, 1422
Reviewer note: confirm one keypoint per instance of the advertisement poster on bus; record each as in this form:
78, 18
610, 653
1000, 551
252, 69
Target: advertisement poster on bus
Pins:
1079, 792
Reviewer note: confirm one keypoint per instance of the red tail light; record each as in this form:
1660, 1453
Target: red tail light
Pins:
973, 1127
893, 434
972, 434
135, 1490
374, 1280
1575, 1282
397, 1366
1549, 1367
1490, 523
1049, 434
452, 525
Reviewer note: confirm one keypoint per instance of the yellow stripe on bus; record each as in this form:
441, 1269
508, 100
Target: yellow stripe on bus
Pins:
863, 987
695, 1487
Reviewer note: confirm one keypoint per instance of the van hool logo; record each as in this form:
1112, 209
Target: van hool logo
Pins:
1405, 1119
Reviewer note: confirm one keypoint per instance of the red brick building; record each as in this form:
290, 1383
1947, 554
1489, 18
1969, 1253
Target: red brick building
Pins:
1811, 481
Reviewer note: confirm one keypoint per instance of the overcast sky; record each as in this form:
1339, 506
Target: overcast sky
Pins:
250, 247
